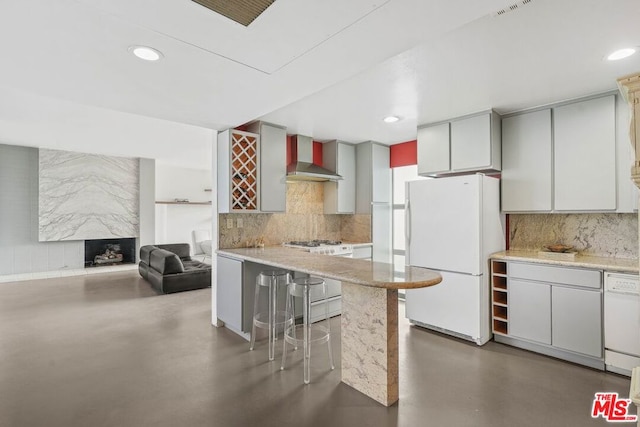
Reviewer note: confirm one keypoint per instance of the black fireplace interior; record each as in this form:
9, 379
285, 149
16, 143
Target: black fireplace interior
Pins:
103, 252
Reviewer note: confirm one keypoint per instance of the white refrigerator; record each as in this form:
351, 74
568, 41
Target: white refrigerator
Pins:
452, 226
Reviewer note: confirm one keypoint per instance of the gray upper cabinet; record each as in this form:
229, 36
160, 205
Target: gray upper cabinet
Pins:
273, 167
526, 162
340, 197
467, 144
585, 155
373, 195
567, 159
373, 183
434, 150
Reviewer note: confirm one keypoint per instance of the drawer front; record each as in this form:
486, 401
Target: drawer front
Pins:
551, 274
362, 252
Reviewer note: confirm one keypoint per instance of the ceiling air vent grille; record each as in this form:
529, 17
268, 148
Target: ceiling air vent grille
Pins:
511, 8
242, 11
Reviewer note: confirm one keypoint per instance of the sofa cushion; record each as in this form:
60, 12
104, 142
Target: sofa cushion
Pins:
166, 262
145, 253
183, 250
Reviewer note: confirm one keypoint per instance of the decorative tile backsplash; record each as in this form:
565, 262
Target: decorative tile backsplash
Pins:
598, 234
304, 220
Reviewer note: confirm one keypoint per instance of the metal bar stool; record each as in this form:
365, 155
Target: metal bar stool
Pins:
272, 318
311, 334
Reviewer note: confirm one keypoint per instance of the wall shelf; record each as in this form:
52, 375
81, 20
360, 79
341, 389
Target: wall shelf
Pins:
161, 202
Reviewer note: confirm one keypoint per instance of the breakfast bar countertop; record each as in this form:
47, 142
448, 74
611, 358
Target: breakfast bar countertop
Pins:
626, 265
357, 271
369, 322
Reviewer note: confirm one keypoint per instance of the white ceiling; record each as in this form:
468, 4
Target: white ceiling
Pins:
330, 69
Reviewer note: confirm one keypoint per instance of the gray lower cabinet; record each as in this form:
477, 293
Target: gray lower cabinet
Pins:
550, 309
530, 310
577, 320
229, 292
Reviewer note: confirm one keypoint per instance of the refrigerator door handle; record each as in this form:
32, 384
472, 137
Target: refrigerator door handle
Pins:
407, 223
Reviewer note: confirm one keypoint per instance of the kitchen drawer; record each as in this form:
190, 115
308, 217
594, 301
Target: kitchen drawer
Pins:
362, 252
318, 309
561, 275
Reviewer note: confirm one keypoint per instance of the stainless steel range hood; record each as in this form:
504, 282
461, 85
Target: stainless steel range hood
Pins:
302, 168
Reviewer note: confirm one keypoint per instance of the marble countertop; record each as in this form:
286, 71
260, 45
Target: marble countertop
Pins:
361, 272
600, 263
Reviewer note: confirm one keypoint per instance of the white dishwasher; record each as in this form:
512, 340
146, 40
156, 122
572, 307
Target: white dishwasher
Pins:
621, 322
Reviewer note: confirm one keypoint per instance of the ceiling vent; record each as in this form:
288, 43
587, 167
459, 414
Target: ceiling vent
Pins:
241, 11
511, 8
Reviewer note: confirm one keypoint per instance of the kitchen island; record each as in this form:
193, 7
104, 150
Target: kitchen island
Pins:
369, 322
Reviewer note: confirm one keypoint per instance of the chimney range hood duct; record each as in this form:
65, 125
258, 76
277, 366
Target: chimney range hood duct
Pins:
302, 167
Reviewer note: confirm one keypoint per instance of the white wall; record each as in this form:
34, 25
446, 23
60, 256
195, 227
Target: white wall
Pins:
176, 223
37, 121
20, 250
28, 120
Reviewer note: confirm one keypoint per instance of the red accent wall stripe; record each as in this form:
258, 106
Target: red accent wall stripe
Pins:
289, 149
317, 153
403, 154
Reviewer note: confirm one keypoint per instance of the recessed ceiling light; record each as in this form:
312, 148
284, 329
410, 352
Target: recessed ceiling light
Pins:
145, 52
391, 119
621, 54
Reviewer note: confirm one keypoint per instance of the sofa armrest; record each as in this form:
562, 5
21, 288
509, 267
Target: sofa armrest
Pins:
145, 253
165, 262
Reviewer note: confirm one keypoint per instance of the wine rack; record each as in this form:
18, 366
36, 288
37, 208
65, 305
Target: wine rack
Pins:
244, 171
499, 295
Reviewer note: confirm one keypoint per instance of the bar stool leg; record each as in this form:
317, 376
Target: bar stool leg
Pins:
253, 320
272, 317
328, 320
306, 301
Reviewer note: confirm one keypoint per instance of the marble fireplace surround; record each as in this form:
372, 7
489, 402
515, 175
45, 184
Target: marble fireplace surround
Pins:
87, 196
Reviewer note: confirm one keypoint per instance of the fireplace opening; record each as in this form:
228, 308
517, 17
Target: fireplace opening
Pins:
105, 252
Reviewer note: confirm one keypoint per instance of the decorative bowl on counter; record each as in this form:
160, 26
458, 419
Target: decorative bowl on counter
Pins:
559, 252
560, 248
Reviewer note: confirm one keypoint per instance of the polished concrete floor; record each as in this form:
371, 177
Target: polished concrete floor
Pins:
105, 350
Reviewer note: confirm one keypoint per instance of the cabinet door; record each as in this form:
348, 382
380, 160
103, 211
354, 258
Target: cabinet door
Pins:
585, 155
433, 149
381, 171
577, 320
381, 232
526, 162
529, 305
363, 178
471, 143
273, 168
627, 191
229, 292
347, 186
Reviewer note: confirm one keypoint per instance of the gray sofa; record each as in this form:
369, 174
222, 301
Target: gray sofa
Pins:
169, 268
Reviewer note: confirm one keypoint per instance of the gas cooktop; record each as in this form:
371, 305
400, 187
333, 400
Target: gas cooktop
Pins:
313, 243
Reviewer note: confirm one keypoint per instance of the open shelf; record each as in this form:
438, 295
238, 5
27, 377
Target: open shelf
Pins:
499, 282
499, 297
499, 267
500, 327
500, 312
